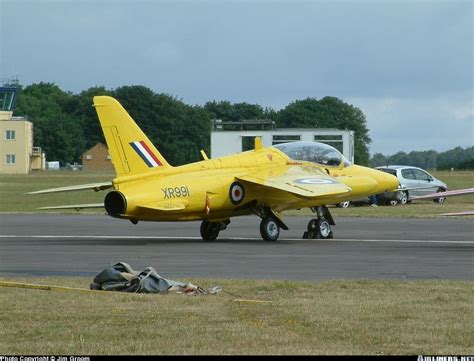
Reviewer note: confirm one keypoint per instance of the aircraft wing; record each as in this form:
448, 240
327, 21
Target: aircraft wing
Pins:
298, 180
465, 213
77, 207
95, 186
455, 192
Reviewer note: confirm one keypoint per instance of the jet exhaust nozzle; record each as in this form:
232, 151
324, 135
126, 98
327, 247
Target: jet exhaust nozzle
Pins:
115, 203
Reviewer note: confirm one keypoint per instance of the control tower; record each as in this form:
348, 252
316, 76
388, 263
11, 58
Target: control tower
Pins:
8, 95
17, 153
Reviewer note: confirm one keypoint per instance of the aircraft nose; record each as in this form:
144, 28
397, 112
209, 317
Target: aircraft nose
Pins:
386, 182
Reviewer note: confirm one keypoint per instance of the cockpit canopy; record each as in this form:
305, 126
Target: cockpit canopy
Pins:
314, 152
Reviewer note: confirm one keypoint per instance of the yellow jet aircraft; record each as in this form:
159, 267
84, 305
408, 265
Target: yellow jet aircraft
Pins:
265, 181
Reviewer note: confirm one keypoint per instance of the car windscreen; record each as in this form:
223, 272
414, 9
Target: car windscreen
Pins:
388, 170
314, 152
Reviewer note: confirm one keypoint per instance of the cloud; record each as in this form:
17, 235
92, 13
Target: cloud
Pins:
407, 62
405, 124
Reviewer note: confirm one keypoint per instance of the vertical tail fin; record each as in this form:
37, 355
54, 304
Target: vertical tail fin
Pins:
131, 150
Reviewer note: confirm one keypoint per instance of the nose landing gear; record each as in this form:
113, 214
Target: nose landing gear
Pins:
320, 227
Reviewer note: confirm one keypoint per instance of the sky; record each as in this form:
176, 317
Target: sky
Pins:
408, 65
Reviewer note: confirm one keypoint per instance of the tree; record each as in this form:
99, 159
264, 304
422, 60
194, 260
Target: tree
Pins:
228, 112
245, 111
81, 108
329, 112
220, 110
57, 132
378, 159
178, 130
457, 158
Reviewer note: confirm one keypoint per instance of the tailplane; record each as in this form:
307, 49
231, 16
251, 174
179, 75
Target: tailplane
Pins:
130, 149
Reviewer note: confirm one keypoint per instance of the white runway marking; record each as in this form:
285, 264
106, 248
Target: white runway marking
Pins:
231, 238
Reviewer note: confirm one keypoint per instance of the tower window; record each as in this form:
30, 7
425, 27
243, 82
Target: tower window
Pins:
10, 159
10, 135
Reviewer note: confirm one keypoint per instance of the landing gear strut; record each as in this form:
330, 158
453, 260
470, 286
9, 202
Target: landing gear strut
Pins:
210, 230
320, 227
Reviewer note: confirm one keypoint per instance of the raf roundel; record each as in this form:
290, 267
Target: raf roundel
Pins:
236, 193
315, 181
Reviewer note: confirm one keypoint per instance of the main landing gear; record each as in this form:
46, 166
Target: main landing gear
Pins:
270, 224
210, 230
320, 227
269, 229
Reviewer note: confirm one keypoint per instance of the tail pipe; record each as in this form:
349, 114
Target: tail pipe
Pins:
115, 203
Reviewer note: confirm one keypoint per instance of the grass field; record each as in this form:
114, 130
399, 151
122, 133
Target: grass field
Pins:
13, 187
333, 317
13, 199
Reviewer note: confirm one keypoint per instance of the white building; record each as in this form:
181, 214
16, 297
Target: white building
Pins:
224, 142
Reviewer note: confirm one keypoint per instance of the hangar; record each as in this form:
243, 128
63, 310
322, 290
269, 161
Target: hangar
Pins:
233, 137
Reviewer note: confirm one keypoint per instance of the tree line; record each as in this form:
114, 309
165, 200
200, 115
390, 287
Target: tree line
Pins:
457, 158
66, 124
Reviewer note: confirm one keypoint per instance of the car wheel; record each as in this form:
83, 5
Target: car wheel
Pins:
440, 200
404, 198
344, 204
393, 203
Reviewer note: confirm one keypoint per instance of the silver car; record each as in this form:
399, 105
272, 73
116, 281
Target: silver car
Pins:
417, 181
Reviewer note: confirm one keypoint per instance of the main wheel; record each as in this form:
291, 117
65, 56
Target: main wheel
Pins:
269, 229
209, 230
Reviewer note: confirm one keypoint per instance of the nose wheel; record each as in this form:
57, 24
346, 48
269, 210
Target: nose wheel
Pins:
320, 227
